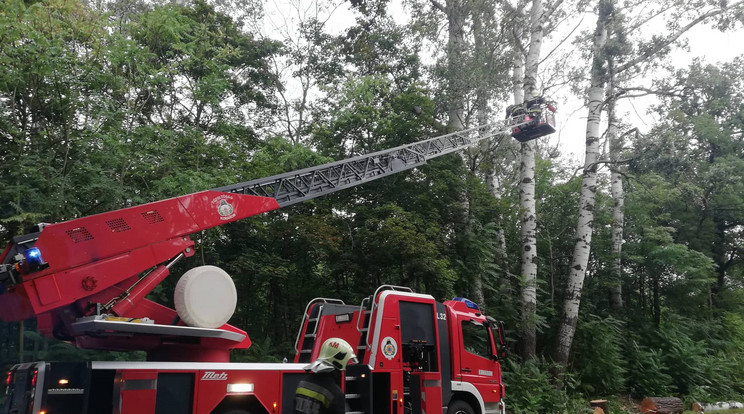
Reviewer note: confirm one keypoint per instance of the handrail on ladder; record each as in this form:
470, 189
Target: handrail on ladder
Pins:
373, 298
306, 316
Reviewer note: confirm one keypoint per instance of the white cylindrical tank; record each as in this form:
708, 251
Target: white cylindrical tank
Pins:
205, 297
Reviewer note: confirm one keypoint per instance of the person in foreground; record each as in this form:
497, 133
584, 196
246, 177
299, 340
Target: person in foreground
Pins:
319, 391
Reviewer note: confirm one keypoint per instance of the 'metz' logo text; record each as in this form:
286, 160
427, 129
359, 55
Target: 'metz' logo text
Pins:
213, 376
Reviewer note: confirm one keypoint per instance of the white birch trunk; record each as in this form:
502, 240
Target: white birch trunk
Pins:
481, 105
518, 77
482, 116
456, 48
495, 186
527, 193
618, 207
585, 224
529, 248
517, 84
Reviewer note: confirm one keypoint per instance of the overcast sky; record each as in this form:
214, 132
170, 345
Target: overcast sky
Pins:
704, 42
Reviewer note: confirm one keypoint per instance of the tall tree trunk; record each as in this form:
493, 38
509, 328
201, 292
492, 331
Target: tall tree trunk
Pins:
529, 249
618, 198
527, 193
487, 148
585, 224
482, 114
720, 258
518, 77
657, 303
456, 13
502, 257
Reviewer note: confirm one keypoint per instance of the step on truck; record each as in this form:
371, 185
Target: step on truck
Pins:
416, 356
85, 281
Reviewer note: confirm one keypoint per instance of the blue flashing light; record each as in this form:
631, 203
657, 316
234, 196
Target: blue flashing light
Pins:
469, 303
33, 256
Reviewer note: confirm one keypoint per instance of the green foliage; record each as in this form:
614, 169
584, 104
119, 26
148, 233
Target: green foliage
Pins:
600, 369
684, 359
258, 352
154, 110
531, 390
646, 373
720, 368
680, 361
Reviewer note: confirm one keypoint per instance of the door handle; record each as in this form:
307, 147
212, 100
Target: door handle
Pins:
466, 370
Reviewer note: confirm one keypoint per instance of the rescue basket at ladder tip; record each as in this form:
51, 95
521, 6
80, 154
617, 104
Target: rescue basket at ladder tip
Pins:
531, 119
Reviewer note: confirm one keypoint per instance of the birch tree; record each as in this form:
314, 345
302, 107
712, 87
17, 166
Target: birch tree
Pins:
607, 16
618, 207
527, 189
584, 226
525, 72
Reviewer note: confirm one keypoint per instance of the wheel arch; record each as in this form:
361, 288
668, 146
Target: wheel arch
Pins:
465, 391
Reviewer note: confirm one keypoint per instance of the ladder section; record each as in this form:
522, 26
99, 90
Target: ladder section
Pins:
363, 324
297, 186
358, 389
366, 312
305, 341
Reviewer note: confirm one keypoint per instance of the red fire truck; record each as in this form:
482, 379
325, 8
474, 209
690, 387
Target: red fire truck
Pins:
85, 282
416, 355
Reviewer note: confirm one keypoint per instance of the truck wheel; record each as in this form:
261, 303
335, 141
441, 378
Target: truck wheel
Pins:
460, 407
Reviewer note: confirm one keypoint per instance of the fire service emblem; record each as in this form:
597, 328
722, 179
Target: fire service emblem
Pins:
389, 347
223, 206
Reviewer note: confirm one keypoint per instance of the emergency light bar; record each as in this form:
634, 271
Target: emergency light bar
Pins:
469, 303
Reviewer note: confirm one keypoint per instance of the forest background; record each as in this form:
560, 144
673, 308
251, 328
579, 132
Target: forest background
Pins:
619, 276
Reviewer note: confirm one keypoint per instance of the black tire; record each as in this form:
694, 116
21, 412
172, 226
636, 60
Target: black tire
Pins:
236, 411
460, 407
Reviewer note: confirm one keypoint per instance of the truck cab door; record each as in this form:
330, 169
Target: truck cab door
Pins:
478, 364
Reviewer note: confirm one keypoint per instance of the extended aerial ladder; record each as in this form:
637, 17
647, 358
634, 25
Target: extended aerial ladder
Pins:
85, 280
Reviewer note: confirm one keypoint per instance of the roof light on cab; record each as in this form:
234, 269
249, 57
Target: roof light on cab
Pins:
469, 303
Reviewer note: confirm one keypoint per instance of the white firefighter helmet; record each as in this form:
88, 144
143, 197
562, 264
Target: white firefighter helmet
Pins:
335, 353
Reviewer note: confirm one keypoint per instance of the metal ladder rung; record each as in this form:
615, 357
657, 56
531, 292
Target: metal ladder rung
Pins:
311, 335
352, 396
306, 351
355, 412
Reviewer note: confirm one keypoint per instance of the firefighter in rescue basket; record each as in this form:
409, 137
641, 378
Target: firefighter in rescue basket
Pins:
532, 118
319, 392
